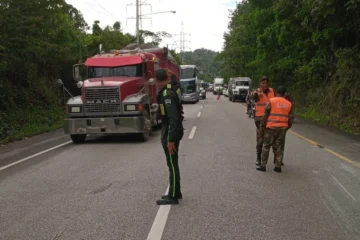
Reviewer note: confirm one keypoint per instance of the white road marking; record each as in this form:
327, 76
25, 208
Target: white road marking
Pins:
32, 156
343, 188
159, 223
199, 114
192, 133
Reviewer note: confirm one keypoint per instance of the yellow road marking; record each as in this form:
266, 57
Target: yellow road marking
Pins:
348, 160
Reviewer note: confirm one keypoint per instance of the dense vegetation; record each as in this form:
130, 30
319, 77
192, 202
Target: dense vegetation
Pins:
205, 59
40, 40
312, 47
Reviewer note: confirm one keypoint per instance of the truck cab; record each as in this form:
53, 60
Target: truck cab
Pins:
218, 85
238, 88
118, 95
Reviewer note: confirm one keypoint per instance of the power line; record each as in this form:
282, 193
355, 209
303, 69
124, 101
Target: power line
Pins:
116, 19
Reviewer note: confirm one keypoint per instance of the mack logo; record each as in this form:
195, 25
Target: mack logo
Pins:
103, 101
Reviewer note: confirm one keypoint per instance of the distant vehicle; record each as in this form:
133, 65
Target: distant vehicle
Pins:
190, 84
203, 87
238, 88
210, 88
218, 85
225, 92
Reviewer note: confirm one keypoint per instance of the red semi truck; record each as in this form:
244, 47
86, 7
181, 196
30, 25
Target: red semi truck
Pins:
119, 93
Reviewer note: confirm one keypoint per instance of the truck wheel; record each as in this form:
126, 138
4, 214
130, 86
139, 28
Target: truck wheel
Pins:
144, 136
78, 138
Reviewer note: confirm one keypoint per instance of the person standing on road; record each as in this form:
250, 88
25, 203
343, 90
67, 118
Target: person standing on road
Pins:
278, 118
172, 131
218, 94
248, 102
287, 97
261, 96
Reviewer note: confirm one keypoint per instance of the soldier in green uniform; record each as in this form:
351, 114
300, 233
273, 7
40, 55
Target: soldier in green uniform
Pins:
172, 131
278, 118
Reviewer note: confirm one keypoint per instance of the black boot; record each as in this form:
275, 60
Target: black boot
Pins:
178, 196
258, 160
167, 201
277, 169
261, 168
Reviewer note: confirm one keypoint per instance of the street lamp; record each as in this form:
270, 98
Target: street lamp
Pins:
157, 13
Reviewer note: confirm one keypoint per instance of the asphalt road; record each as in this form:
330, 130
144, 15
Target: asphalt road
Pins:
107, 188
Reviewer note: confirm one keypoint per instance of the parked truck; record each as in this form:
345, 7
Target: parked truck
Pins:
218, 85
238, 88
119, 93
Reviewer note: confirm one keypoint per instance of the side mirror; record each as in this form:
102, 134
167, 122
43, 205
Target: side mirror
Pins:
151, 81
79, 84
76, 71
60, 82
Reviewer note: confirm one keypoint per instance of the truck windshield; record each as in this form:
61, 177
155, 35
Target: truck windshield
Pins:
188, 86
242, 83
187, 73
126, 71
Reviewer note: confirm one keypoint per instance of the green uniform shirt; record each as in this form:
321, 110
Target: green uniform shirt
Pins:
171, 113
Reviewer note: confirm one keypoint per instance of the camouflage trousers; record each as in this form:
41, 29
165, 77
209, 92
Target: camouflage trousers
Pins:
259, 136
274, 138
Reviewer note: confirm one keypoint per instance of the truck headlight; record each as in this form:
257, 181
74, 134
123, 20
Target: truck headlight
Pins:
75, 109
133, 107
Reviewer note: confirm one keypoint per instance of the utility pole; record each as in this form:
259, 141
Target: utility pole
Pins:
137, 23
138, 17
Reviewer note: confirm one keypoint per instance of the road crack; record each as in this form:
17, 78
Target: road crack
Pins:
102, 189
58, 235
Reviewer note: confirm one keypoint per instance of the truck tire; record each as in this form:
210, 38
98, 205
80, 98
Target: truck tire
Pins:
78, 138
144, 136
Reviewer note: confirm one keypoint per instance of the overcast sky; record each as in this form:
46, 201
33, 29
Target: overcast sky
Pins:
204, 20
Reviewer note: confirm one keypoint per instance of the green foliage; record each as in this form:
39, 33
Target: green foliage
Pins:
29, 121
205, 59
312, 47
40, 41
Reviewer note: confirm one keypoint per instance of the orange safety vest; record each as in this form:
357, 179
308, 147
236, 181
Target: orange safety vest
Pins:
261, 104
279, 115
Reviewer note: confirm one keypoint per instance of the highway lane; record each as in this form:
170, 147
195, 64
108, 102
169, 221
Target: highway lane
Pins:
315, 197
106, 189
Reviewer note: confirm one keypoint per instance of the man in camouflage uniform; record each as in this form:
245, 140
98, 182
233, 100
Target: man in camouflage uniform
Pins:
278, 118
261, 96
172, 131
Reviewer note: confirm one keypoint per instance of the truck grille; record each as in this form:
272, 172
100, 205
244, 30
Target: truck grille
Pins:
102, 100
243, 92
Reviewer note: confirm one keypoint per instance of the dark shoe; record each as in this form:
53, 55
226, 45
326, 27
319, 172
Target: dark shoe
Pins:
277, 169
167, 201
261, 168
258, 160
167, 196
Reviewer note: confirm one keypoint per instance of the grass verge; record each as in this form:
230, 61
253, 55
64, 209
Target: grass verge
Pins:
349, 125
21, 123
